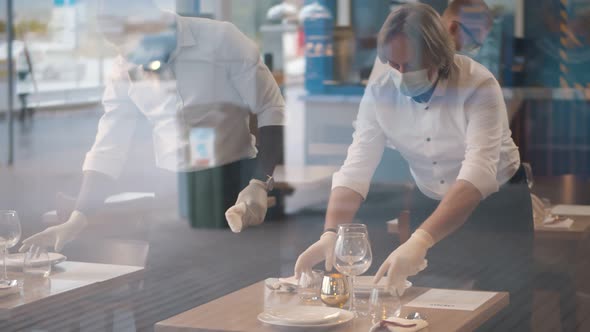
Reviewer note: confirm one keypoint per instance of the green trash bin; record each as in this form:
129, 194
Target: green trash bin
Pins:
205, 195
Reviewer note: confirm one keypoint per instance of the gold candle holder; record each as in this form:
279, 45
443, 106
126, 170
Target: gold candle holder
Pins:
335, 291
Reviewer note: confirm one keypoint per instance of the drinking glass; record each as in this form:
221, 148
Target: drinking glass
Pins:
353, 228
10, 233
309, 285
36, 263
383, 305
334, 291
353, 257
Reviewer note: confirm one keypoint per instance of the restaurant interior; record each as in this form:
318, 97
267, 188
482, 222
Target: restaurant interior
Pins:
270, 165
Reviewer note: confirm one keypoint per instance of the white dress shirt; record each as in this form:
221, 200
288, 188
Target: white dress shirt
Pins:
218, 80
461, 133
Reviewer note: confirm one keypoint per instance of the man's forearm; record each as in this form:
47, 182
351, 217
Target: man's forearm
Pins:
453, 210
95, 188
342, 207
270, 150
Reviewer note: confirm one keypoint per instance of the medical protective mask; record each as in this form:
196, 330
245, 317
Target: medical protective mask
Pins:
471, 52
413, 83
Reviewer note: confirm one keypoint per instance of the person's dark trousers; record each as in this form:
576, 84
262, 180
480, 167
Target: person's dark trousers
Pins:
23, 107
205, 195
22, 75
494, 248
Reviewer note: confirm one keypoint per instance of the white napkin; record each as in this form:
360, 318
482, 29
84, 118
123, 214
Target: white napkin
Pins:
420, 324
282, 285
289, 281
550, 222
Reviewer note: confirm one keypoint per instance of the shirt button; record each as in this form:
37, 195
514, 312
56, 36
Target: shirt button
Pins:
434, 163
442, 181
428, 139
427, 108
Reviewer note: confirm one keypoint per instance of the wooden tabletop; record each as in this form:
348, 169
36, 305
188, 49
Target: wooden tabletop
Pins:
68, 281
238, 311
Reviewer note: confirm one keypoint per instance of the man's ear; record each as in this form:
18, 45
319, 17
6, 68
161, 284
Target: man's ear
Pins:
453, 28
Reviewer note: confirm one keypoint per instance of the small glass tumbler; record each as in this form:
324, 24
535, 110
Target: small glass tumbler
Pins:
309, 285
37, 263
335, 290
383, 305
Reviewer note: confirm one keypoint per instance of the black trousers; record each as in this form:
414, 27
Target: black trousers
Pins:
494, 248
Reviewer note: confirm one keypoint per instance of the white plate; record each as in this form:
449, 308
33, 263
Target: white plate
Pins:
304, 314
289, 316
17, 260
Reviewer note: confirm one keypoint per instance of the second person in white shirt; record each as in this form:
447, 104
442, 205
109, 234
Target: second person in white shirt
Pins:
446, 115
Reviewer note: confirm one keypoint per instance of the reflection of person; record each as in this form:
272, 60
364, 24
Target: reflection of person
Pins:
445, 114
24, 70
211, 79
467, 21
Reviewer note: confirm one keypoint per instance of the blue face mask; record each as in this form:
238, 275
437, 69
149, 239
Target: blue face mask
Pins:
471, 51
413, 83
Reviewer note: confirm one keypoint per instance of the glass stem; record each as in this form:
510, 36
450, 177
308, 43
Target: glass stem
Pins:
351, 305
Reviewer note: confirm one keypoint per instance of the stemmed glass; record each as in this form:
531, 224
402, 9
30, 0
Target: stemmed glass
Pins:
10, 233
353, 256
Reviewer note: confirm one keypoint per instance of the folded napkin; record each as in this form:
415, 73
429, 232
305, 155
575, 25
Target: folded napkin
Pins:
397, 324
282, 285
289, 281
557, 222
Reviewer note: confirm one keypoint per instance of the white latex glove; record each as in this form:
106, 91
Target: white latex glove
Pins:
250, 208
405, 261
56, 236
322, 250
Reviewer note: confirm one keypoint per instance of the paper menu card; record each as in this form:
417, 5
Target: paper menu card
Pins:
451, 299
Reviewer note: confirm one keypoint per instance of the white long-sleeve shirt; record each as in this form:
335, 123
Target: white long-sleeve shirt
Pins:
461, 133
219, 79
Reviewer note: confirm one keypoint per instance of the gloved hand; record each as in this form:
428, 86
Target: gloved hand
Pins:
323, 249
250, 208
407, 260
56, 236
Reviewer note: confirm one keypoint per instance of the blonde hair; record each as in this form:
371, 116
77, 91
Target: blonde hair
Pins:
421, 24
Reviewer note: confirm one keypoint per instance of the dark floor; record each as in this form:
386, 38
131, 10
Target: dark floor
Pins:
187, 267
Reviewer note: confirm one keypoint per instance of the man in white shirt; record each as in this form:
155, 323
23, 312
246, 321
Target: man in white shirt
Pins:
446, 115
202, 86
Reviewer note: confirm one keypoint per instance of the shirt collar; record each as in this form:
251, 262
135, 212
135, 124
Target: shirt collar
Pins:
441, 87
184, 33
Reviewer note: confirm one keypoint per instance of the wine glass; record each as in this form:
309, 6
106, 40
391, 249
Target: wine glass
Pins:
356, 228
10, 233
353, 257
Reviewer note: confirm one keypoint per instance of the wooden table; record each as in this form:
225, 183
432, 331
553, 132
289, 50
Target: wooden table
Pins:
238, 311
69, 282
